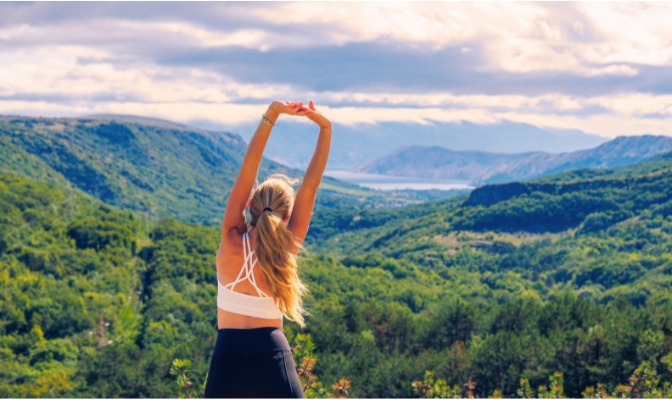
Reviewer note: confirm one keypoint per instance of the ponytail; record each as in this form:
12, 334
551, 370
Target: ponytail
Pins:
272, 202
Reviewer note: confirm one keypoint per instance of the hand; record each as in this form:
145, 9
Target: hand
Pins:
286, 107
314, 115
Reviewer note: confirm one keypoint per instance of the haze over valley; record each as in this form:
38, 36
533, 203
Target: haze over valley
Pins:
481, 167
293, 143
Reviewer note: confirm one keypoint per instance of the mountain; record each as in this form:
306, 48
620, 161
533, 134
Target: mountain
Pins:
153, 166
158, 169
439, 163
292, 143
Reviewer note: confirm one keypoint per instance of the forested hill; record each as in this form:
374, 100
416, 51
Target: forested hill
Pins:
151, 166
439, 163
97, 302
157, 169
549, 204
576, 231
648, 179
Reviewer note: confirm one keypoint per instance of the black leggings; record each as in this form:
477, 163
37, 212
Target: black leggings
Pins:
253, 363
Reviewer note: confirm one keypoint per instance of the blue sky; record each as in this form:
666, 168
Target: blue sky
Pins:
602, 68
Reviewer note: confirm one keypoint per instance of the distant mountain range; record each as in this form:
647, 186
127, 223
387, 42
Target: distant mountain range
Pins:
292, 143
483, 167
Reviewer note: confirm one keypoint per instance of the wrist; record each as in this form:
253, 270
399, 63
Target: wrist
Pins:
324, 124
321, 121
272, 114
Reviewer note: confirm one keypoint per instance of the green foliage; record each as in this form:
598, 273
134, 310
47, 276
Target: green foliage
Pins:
555, 388
98, 302
525, 390
67, 260
429, 388
305, 360
645, 382
180, 370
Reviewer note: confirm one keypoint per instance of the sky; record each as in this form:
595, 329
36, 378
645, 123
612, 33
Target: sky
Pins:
602, 68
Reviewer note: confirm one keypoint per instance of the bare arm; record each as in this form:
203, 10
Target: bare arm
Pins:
234, 215
305, 197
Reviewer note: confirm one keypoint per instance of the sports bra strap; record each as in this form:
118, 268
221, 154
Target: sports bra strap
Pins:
248, 268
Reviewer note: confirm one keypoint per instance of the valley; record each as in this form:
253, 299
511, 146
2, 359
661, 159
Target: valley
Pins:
569, 272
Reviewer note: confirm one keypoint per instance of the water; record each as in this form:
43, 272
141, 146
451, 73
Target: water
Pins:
387, 182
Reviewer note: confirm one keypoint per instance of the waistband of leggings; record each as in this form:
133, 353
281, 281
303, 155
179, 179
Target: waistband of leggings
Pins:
250, 341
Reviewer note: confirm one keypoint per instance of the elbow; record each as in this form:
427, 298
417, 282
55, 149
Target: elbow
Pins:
312, 185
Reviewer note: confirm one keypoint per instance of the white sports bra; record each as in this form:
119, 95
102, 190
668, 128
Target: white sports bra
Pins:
262, 306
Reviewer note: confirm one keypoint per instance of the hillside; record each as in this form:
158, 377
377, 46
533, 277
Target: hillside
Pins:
568, 273
558, 203
481, 167
152, 166
96, 302
551, 228
156, 169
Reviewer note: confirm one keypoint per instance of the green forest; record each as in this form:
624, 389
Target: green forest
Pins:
553, 287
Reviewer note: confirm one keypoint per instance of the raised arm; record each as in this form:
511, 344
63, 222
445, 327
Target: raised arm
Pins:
305, 197
234, 215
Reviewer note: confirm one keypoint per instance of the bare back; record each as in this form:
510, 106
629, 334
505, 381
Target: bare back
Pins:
230, 260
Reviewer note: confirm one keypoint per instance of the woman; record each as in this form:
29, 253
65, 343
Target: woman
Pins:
256, 269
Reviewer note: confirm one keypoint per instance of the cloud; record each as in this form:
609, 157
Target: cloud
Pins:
60, 72
232, 115
600, 124
624, 104
625, 70
635, 104
423, 116
547, 101
55, 80
599, 67
566, 40
517, 37
224, 113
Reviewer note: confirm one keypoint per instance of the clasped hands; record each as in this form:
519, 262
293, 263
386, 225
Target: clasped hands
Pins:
299, 110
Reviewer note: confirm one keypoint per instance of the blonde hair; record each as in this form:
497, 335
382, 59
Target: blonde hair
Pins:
272, 202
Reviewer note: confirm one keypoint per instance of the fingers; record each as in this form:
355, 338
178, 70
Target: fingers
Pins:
295, 107
303, 111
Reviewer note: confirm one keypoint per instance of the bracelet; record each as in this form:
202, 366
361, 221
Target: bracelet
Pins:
267, 121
